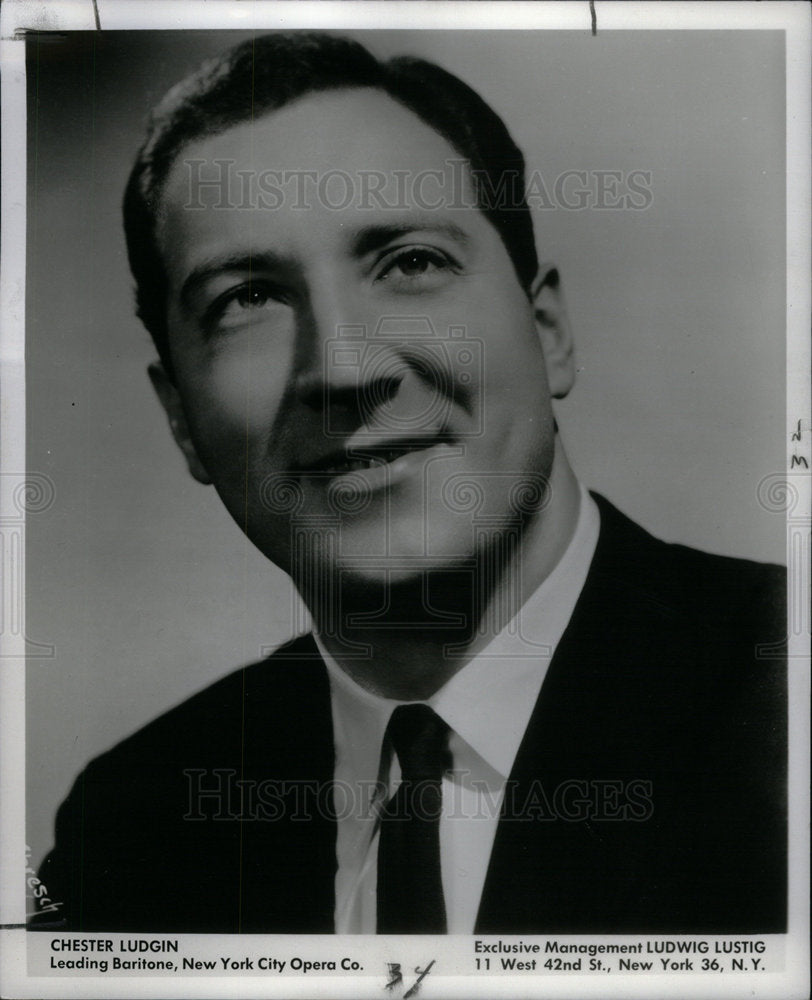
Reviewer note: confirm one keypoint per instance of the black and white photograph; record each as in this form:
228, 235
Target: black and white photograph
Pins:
406, 500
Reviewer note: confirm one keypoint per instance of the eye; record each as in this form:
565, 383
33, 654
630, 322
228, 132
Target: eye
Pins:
251, 296
247, 303
415, 269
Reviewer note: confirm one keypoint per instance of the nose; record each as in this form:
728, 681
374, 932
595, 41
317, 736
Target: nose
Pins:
337, 374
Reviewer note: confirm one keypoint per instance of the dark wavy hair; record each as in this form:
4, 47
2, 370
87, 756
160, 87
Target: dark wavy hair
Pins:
264, 74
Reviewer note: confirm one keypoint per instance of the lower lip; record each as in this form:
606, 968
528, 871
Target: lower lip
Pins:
389, 474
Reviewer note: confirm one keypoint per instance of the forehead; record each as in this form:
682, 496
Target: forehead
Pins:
299, 165
353, 131
335, 120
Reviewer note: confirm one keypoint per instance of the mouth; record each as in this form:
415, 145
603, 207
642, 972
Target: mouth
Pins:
361, 457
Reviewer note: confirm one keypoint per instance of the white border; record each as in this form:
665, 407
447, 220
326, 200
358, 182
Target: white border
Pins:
794, 19
12, 456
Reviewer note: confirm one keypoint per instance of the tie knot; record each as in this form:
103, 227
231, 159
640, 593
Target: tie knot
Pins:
420, 739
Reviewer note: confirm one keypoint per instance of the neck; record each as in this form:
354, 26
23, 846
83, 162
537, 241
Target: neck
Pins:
415, 645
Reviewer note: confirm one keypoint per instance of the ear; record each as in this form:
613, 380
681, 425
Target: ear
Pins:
554, 331
170, 400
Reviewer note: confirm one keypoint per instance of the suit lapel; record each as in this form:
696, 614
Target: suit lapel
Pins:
548, 871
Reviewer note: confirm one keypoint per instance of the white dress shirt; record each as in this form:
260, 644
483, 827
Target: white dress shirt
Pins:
487, 705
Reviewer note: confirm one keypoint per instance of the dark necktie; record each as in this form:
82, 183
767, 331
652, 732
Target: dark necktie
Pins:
410, 888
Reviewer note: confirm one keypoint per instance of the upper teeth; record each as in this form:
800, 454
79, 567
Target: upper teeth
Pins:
381, 457
350, 465
357, 464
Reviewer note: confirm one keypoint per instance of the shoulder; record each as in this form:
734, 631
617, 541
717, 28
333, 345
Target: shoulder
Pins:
164, 807
730, 592
688, 645
258, 703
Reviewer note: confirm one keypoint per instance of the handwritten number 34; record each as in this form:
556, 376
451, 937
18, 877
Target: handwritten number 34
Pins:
396, 978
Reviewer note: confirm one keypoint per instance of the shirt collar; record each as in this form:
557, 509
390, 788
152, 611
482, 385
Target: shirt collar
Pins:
489, 701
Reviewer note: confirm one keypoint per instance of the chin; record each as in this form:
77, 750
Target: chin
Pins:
360, 578
408, 540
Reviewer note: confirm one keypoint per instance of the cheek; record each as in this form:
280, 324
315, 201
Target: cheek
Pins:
235, 403
513, 369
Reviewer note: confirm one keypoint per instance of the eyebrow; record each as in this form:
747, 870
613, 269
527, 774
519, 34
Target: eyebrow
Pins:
367, 240
372, 238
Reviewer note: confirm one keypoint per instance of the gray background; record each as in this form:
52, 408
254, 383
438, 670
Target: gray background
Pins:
138, 578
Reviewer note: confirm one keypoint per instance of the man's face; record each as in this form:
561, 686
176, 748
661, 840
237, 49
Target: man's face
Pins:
359, 383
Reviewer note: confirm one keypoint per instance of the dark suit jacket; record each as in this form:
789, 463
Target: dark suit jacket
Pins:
668, 675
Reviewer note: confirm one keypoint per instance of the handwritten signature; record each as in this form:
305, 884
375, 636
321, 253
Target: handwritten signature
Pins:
43, 902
